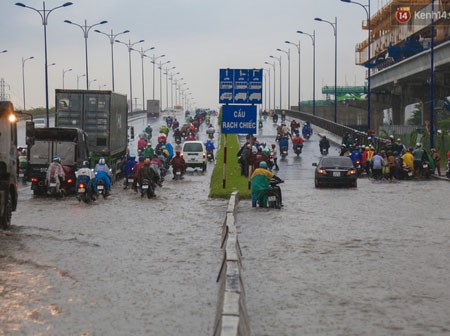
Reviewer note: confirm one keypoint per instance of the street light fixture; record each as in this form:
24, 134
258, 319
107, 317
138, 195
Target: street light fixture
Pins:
160, 67
313, 39
334, 26
142, 53
281, 83
3, 51
90, 82
112, 38
298, 49
154, 58
367, 10
274, 80
288, 53
44, 13
86, 30
78, 80
63, 75
23, 79
130, 45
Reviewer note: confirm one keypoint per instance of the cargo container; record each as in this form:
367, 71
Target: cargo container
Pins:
8, 163
103, 116
153, 108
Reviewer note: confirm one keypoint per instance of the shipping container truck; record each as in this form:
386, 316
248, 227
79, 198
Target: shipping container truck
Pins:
8, 163
70, 144
103, 116
153, 108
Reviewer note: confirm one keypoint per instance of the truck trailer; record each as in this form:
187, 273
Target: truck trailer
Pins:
103, 116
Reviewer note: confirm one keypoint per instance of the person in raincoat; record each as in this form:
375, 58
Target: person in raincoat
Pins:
260, 184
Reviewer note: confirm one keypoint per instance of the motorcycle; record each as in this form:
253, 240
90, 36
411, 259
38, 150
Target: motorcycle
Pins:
54, 188
101, 188
211, 135
260, 124
324, 151
306, 133
177, 174
283, 152
274, 195
405, 173
298, 149
83, 193
425, 169
209, 155
127, 181
358, 167
275, 118
178, 140
147, 189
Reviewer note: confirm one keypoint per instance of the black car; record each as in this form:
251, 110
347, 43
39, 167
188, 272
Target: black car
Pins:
335, 170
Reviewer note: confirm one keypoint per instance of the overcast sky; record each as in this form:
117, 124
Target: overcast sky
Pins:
198, 36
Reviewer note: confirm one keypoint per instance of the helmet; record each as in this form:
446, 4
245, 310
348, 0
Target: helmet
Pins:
324, 137
273, 145
399, 140
433, 149
102, 160
56, 158
147, 162
85, 164
411, 148
141, 159
367, 148
263, 164
418, 145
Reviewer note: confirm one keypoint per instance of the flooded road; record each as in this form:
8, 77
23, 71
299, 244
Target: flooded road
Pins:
373, 260
122, 266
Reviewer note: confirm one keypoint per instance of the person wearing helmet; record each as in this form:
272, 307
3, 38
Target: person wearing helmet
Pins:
55, 172
324, 144
398, 147
209, 145
178, 164
147, 173
102, 172
260, 184
86, 176
142, 143
135, 172
419, 156
127, 169
408, 159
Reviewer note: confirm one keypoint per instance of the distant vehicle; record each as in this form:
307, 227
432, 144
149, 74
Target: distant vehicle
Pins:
8, 163
194, 154
335, 170
153, 108
39, 122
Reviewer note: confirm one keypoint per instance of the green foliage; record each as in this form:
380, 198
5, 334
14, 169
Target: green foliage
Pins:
416, 118
234, 180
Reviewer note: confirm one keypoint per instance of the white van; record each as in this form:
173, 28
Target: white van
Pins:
194, 154
39, 123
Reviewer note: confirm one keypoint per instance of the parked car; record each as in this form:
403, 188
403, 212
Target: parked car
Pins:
194, 154
335, 170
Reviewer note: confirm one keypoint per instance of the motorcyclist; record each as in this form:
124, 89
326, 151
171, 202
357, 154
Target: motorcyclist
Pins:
284, 142
147, 173
136, 169
344, 151
128, 169
169, 121
419, 156
102, 172
398, 147
178, 164
209, 145
148, 151
164, 129
355, 155
142, 143
324, 144
260, 184
275, 117
55, 171
367, 156
437, 160
87, 176
210, 131
177, 135
294, 126
297, 142
307, 130
175, 124
149, 131
408, 159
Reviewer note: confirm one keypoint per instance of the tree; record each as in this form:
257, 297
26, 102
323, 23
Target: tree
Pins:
416, 117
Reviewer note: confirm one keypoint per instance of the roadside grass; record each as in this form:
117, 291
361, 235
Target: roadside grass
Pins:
234, 180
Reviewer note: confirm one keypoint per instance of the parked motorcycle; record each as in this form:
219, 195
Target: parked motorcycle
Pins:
405, 173
425, 169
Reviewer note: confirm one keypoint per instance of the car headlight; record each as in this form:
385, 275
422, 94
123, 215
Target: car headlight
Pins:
321, 171
351, 172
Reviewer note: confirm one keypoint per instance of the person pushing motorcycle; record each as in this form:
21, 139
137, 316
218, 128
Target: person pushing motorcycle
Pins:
260, 184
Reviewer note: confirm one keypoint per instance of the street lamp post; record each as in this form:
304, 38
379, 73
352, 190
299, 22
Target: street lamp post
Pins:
274, 81
154, 58
112, 38
23, 79
44, 13
63, 75
160, 67
288, 53
86, 30
334, 26
78, 80
130, 45
313, 39
142, 53
367, 10
171, 78
281, 83
268, 86
167, 85
432, 79
299, 73
90, 82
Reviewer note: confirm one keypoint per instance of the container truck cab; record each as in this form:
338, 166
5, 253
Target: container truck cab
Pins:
8, 163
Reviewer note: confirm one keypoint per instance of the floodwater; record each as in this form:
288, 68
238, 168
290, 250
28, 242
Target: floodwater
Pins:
125, 265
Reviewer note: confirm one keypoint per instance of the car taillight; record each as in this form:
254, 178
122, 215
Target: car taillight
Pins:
34, 179
69, 180
204, 154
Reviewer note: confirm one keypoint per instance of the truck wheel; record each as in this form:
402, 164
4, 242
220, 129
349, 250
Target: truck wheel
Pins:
5, 221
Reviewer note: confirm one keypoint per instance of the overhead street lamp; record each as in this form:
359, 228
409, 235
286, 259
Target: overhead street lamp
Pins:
44, 13
274, 81
281, 83
288, 53
112, 38
63, 75
367, 10
298, 49
313, 39
268, 86
154, 58
160, 67
334, 26
90, 82
142, 53
78, 80
23, 79
167, 84
130, 46
86, 30
3, 51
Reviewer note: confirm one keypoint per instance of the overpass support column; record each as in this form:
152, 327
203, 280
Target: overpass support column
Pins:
397, 109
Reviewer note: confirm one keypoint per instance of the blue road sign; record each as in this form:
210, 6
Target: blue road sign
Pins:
239, 119
240, 86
